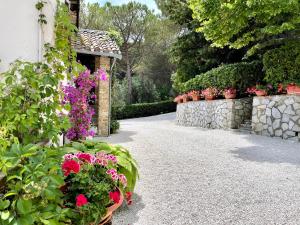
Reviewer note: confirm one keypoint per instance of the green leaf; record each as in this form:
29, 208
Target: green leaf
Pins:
5, 215
4, 204
24, 206
57, 180
25, 220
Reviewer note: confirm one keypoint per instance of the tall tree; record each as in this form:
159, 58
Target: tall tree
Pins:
132, 21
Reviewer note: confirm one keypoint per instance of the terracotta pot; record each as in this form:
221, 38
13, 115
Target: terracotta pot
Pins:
209, 97
261, 92
195, 97
230, 95
105, 220
185, 98
293, 90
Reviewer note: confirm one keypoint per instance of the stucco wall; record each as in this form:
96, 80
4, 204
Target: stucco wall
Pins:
277, 115
21, 35
225, 113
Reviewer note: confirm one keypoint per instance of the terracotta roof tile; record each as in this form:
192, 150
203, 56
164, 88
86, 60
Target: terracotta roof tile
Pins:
96, 42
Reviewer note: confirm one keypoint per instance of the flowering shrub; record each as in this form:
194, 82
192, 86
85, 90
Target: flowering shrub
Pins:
78, 96
92, 183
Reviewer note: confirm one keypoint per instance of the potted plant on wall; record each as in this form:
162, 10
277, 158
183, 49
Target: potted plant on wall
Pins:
195, 95
293, 88
185, 98
178, 99
210, 93
230, 93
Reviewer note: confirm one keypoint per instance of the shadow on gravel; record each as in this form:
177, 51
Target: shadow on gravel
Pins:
129, 213
122, 136
271, 150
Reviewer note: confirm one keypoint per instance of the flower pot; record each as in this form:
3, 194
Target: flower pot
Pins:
230, 95
209, 97
196, 97
185, 98
260, 92
107, 218
293, 89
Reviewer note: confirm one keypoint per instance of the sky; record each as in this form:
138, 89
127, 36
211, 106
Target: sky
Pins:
150, 3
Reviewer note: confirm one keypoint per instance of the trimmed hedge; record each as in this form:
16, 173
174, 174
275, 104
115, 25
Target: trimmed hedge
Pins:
145, 109
238, 75
282, 65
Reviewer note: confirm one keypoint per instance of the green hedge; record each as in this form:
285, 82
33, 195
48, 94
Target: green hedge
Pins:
282, 65
239, 75
144, 109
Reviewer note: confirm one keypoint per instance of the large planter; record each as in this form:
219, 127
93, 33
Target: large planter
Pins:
196, 97
230, 95
106, 220
209, 97
293, 89
261, 92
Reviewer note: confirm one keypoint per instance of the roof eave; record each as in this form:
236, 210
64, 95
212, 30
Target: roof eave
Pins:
106, 54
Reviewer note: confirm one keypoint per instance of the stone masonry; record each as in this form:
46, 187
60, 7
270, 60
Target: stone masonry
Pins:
277, 116
225, 113
103, 98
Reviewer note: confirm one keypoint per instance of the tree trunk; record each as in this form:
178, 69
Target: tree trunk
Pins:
128, 75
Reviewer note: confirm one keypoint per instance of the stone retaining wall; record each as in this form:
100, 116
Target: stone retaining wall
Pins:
277, 116
225, 113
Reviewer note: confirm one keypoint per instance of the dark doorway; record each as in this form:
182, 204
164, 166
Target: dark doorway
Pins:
87, 60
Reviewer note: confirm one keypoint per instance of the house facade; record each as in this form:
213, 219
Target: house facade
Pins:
22, 36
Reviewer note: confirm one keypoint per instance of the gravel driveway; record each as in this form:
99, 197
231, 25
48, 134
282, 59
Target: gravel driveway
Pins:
198, 176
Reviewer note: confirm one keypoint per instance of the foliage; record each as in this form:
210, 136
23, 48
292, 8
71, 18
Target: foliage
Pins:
239, 75
29, 99
78, 96
146, 109
282, 65
114, 126
191, 53
89, 181
30, 94
126, 164
31, 193
240, 23
143, 90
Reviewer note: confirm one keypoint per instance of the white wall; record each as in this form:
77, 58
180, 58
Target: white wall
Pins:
21, 36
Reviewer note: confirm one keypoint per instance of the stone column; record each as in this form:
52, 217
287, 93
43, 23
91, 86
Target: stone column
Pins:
103, 98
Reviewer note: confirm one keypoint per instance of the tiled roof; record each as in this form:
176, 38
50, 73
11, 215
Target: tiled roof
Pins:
95, 42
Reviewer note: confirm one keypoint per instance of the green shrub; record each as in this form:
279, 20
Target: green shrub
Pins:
114, 126
145, 109
31, 193
237, 75
282, 65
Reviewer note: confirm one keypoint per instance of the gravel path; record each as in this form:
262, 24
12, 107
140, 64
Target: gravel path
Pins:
198, 176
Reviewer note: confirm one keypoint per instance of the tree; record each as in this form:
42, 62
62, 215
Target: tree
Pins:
132, 21
192, 53
241, 23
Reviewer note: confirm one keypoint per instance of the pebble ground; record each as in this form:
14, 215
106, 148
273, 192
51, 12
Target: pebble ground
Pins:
197, 176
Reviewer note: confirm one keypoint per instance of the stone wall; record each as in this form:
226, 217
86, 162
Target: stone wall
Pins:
225, 113
277, 116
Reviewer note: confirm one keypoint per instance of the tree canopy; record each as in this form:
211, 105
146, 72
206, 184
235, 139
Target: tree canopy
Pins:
242, 23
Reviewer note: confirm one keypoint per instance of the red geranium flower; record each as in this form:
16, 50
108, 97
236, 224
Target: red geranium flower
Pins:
85, 157
69, 166
81, 200
115, 196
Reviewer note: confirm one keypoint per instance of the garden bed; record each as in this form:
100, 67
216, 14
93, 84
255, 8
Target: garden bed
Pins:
277, 116
224, 113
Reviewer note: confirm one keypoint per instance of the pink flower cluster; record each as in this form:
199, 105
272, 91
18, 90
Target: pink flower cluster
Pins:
103, 159
78, 96
115, 176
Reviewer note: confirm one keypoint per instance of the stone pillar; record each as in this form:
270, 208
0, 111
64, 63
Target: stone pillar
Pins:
103, 98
